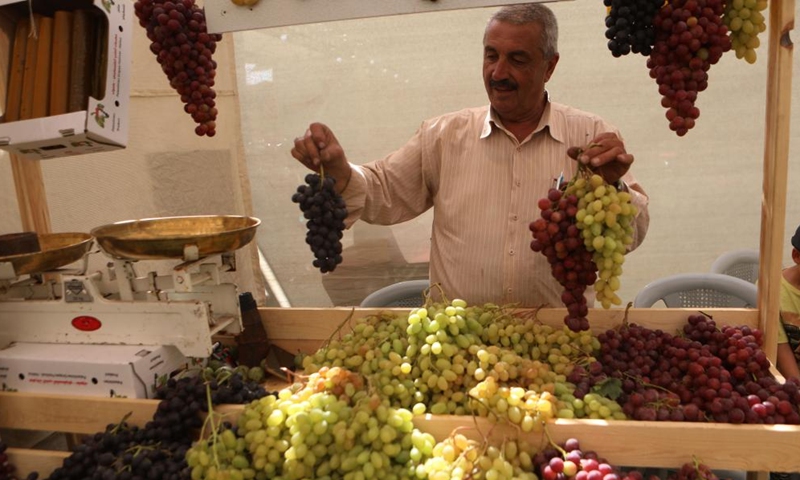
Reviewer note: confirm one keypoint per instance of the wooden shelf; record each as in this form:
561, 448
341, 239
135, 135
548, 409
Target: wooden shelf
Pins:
225, 16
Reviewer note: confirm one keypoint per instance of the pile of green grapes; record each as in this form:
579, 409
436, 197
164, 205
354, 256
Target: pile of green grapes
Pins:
352, 416
451, 358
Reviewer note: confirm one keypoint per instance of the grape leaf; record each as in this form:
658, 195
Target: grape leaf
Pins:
610, 388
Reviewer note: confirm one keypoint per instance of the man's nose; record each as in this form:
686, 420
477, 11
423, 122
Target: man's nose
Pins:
500, 71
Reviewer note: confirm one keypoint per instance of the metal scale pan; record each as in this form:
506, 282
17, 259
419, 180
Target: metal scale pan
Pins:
187, 238
56, 251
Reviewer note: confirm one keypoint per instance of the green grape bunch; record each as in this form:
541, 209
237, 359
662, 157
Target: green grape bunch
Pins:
745, 21
605, 219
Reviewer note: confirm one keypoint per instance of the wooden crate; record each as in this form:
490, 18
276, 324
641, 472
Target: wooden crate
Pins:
646, 444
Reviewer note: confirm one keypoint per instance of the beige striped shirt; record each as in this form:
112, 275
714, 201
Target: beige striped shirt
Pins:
484, 186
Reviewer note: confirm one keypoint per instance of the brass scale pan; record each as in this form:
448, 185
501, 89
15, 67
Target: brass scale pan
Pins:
146, 239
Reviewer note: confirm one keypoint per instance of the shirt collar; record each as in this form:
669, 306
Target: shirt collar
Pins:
555, 128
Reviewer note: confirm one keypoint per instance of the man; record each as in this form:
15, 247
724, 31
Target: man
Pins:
790, 315
484, 169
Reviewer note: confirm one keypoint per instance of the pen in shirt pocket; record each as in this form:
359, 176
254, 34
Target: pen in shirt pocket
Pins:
559, 181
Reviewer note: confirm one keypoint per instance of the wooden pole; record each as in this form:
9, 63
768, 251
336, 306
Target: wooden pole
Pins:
776, 160
31, 196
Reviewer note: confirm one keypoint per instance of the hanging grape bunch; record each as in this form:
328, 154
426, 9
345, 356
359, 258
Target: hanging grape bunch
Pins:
557, 237
690, 37
629, 26
325, 211
605, 219
183, 48
745, 21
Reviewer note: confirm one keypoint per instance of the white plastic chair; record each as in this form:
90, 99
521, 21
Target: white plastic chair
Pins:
398, 295
738, 263
698, 290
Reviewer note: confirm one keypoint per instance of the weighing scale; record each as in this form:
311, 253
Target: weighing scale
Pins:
49, 296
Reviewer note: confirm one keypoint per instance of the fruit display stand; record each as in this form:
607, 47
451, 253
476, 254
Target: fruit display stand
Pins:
647, 444
753, 448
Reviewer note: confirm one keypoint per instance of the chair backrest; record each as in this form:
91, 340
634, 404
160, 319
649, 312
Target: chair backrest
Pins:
738, 263
400, 295
698, 290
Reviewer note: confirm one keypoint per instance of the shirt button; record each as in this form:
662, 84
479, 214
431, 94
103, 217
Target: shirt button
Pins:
518, 183
511, 252
508, 290
514, 217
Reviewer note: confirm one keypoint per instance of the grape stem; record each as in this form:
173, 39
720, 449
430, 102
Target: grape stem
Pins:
426, 295
338, 329
554, 444
214, 427
625, 317
118, 426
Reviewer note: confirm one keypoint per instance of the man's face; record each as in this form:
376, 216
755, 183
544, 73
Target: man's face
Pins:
514, 69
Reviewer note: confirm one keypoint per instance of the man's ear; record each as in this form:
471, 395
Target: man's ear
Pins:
796, 256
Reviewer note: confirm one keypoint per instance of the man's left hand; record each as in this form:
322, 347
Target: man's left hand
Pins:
606, 155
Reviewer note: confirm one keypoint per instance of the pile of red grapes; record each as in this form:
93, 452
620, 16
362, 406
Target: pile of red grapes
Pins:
324, 210
557, 237
567, 461
183, 47
690, 37
706, 374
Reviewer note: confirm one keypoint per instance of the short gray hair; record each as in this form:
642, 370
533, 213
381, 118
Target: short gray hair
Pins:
525, 13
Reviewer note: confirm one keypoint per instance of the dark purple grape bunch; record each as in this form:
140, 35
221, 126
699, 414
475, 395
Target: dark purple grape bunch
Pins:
629, 26
183, 47
324, 210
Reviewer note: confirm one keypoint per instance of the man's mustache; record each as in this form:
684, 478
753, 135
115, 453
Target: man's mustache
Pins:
507, 84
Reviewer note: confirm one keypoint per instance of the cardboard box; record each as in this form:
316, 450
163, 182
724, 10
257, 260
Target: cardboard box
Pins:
131, 371
103, 126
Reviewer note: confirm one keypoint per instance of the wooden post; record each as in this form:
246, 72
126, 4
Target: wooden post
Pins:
31, 196
776, 159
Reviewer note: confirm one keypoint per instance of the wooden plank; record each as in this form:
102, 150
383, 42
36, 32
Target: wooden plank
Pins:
70, 414
60, 62
14, 90
669, 444
225, 16
41, 80
28, 179
776, 165
650, 444
29, 460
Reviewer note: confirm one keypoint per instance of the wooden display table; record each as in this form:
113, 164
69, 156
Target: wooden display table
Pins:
645, 444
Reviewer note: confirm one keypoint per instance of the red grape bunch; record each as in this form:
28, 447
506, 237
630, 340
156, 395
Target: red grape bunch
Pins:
557, 237
695, 470
325, 211
183, 48
690, 37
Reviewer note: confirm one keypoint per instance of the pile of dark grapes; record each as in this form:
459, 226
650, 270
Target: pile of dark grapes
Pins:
690, 37
156, 451
708, 373
557, 237
7, 469
183, 47
629, 26
325, 211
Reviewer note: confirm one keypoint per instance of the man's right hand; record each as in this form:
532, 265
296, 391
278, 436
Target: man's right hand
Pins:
319, 147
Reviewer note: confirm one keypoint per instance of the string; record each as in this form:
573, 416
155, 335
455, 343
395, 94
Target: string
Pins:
34, 33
